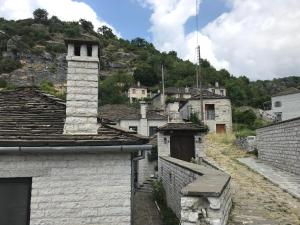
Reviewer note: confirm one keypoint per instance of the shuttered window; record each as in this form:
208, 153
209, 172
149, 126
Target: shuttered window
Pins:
15, 201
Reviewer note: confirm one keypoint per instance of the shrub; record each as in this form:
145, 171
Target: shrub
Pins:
49, 88
153, 155
3, 83
8, 65
245, 133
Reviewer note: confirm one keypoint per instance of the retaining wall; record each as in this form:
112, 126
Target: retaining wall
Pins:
279, 144
198, 194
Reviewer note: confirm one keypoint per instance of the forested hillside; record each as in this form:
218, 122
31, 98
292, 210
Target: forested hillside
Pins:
27, 45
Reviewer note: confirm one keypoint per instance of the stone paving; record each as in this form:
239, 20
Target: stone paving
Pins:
285, 180
255, 199
145, 211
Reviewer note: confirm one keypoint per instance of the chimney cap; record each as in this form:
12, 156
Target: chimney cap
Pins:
81, 41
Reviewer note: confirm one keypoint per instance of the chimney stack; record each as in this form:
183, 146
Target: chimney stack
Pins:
217, 84
144, 107
82, 87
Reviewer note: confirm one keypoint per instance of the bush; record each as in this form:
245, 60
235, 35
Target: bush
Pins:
159, 195
3, 83
153, 155
49, 88
245, 133
246, 117
8, 65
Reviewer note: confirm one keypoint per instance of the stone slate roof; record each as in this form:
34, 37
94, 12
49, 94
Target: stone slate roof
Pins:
29, 117
123, 112
287, 91
182, 126
209, 95
181, 90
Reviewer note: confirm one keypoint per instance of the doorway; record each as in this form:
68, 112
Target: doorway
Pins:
220, 128
182, 147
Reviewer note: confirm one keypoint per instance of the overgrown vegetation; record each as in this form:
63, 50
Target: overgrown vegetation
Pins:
153, 155
159, 195
49, 88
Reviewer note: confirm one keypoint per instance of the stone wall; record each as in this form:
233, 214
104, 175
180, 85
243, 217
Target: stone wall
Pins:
198, 194
279, 144
246, 143
71, 189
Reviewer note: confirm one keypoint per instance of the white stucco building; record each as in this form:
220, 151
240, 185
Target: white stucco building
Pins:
286, 104
143, 121
59, 165
138, 92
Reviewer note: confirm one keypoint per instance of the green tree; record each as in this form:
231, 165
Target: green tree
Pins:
106, 32
146, 75
40, 15
86, 25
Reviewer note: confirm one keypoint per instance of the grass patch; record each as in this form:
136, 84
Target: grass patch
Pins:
226, 138
159, 195
49, 88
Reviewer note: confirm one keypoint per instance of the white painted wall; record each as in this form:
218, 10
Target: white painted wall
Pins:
73, 189
290, 106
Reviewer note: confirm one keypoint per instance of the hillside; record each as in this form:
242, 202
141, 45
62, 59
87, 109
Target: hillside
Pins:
32, 52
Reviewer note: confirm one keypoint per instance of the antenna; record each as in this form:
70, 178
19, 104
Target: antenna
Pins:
198, 70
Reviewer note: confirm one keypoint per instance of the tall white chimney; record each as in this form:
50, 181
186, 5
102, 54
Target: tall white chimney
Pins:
217, 84
144, 108
82, 87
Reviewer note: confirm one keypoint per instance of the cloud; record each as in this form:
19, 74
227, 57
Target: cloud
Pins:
256, 38
66, 10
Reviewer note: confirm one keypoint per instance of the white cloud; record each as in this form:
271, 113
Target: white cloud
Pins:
256, 38
66, 10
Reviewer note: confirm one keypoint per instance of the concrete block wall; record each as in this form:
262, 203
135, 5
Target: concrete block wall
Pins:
279, 144
73, 189
193, 210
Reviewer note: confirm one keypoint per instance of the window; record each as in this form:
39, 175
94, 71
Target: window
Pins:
152, 131
15, 201
143, 92
77, 50
89, 50
213, 90
133, 91
133, 128
277, 104
210, 111
222, 92
278, 116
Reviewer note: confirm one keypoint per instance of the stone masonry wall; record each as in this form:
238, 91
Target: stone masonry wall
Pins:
193, 210
73, 189
279, 144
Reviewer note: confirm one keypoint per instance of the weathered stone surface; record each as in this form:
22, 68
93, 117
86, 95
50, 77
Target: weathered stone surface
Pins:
279, 144
69, 189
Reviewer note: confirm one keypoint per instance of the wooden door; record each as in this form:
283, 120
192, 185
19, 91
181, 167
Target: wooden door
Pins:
220, 128
182, 147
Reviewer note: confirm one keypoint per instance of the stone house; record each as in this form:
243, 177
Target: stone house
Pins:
59, 165
138, 92
143, 121
217, 89
286, 104
216, 109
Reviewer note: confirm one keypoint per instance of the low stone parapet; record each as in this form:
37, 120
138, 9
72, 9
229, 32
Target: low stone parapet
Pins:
198, 194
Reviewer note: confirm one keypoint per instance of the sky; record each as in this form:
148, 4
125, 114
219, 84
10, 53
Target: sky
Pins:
255, 38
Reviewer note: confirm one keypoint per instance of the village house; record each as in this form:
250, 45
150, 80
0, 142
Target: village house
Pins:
216, 110
143, 121
286, 104
217, 89
138, 92
59, 165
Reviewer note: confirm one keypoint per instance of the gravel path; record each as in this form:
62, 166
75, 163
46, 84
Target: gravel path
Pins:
255, 199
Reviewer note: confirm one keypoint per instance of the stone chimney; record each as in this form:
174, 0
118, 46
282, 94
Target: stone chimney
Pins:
82, 87
217, 84
138, 83
144, 107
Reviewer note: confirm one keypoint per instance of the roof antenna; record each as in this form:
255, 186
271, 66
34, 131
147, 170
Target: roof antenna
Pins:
198, 69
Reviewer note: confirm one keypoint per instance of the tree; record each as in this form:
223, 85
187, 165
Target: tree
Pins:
106, 32
40, 15
86, 25
146, 75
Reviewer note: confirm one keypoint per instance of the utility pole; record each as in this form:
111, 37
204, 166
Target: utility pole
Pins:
199, 79
163, 100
